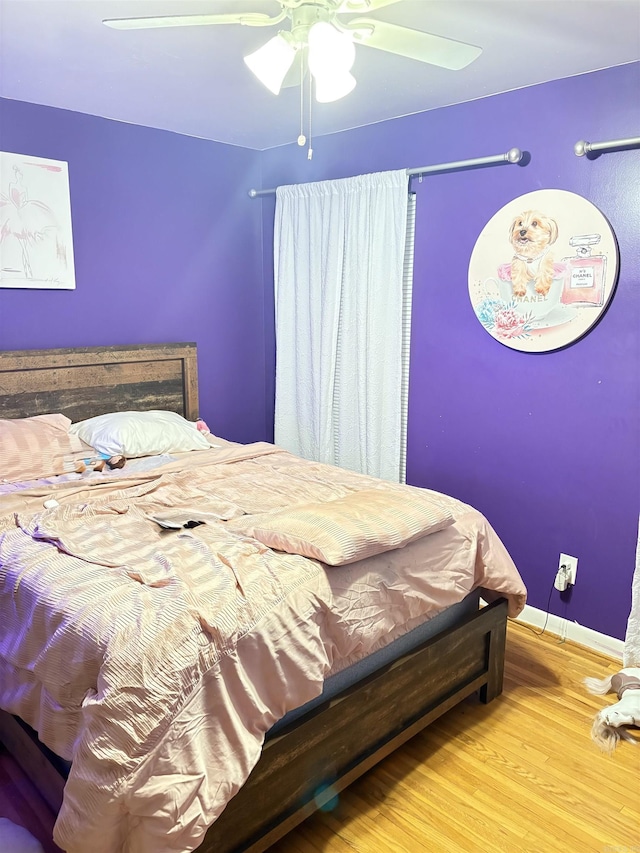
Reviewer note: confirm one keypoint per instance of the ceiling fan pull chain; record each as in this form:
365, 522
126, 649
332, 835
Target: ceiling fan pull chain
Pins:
302, 138
310, 151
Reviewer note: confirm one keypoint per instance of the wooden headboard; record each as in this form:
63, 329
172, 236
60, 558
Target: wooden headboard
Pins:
82, 382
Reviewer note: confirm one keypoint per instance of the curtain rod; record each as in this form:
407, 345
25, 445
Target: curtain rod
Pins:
514, 155
581, 148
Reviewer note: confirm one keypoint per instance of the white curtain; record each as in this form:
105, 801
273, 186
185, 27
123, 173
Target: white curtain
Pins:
631, 655
338, 255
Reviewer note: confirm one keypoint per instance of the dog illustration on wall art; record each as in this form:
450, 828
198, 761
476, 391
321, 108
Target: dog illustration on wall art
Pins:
537, 282
531, 234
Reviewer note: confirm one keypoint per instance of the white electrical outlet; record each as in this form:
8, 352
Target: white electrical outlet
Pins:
571, 571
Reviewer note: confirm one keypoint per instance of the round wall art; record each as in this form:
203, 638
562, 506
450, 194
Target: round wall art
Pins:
543, 270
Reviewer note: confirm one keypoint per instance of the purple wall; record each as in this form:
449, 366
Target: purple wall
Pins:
167, 247
547, 446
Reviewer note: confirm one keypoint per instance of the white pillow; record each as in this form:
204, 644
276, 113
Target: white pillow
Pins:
133, 434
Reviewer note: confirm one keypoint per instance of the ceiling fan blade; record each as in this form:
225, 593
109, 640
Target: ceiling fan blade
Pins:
250, 19
364, 5
414, 44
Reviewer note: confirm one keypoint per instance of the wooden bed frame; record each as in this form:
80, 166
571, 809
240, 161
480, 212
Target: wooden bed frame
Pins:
321, 752
83, 382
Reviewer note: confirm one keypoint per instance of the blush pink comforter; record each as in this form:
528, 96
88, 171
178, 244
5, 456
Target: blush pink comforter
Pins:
157, 661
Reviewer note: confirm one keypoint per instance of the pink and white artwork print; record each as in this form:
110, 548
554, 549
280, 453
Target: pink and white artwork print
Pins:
543, 270
36, 243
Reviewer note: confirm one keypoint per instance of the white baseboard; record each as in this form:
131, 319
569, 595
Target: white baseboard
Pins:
572, 631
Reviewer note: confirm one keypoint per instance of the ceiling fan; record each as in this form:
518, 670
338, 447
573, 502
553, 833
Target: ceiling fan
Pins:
320, 39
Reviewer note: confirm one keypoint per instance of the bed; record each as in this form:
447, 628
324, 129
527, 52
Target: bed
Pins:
360, 693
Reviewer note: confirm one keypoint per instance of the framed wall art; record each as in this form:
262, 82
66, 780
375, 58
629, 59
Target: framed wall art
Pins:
543, 270
36, 245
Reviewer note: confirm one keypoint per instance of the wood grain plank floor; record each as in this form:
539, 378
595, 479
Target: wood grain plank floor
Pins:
520, 775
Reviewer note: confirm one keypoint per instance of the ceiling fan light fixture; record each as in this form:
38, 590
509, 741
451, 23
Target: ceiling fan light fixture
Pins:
331, 56
271, 62
329, 49
332, 87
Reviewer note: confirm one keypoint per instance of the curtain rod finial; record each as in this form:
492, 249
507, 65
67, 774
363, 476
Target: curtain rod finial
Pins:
252, 193
581, 148
514, 155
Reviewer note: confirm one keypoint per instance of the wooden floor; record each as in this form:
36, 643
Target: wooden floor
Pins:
520, 775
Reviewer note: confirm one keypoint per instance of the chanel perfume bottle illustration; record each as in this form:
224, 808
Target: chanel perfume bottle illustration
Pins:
585, 273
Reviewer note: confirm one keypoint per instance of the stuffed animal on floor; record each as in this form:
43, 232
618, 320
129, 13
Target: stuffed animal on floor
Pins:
608, 724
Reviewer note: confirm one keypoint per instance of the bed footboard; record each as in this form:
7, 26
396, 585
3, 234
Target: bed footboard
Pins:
305, 766
321, 753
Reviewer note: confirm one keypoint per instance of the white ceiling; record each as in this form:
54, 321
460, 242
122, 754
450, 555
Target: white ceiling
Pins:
192, 80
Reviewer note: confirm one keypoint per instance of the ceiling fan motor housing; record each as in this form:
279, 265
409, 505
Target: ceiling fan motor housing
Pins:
305, 15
